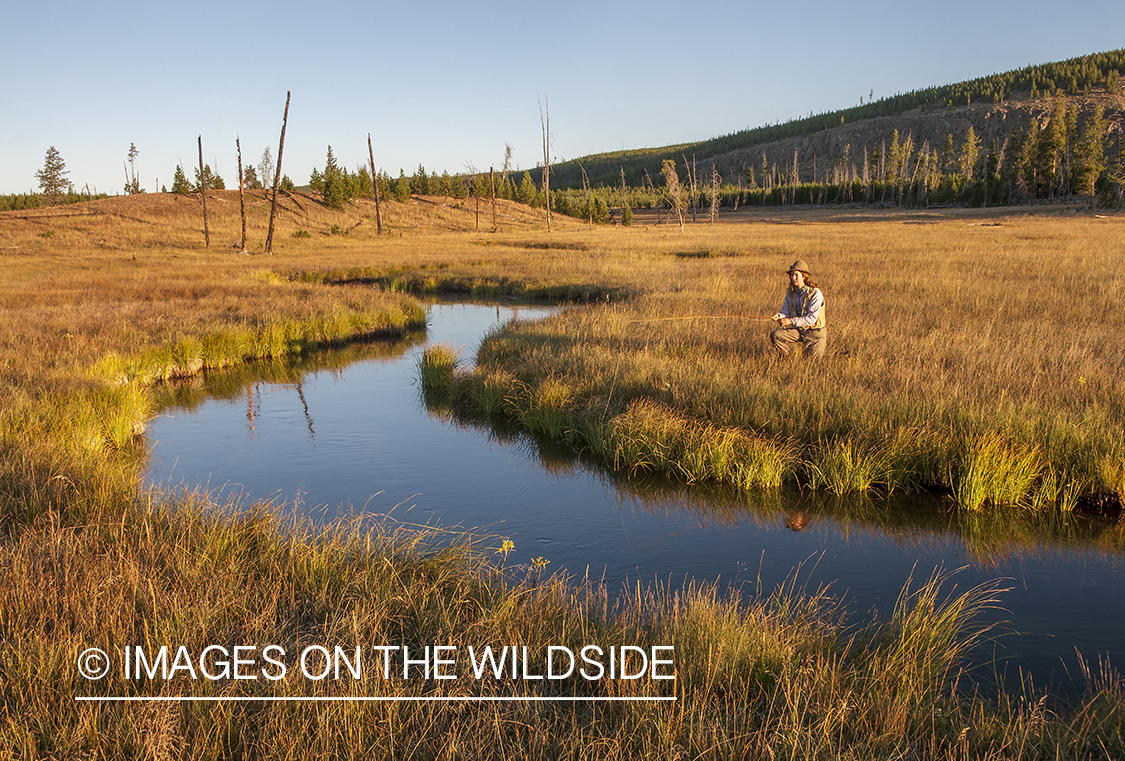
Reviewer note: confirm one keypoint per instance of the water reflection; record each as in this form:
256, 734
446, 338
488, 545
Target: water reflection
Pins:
349, 431
992, 538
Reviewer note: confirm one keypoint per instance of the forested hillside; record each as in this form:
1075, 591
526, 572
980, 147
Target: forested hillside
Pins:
964, 103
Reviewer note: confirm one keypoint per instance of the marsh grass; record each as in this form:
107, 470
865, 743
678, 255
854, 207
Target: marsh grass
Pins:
437, 367
785, 674
931, 356
122, 294
991, 470
845, 465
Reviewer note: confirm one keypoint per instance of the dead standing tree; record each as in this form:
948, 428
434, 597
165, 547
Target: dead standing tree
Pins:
277, 176
241, 194
691, 183
265, 168
132, 184
203, 194
474, 190
713, 192
545, 123
624, 196
674, 190
492, 185
586, 195
375, 187
507, 166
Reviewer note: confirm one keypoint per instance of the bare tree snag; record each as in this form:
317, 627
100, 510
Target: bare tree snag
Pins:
507, 164
375, 187
203, 193
674, 190
624, 197
586, 195
492, 184
714, 193
241, 195
545, 123
277, 176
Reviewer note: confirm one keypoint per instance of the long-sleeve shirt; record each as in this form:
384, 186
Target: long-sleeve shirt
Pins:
806, 307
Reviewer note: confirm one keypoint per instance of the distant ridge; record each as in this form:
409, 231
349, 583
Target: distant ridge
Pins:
995, 106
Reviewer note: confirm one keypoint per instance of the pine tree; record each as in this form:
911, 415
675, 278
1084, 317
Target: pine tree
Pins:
1051, 145
402, 188
214, 181
946, 154
1068, 151
1090, 158
1029, 161
334, 192
970, 149
459, 190
894, 158
52, 177
992, 173
420, 182
480, 185
526, 192
180, 184
250, 179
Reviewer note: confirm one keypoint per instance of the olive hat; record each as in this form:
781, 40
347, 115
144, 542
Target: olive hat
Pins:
799, 266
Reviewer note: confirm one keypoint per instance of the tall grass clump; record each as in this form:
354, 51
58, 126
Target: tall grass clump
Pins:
438, 367
650, 437
550, 409
491, 393
844, 465
990, 469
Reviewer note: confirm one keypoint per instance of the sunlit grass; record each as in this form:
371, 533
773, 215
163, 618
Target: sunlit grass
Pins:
929, 348
100, 314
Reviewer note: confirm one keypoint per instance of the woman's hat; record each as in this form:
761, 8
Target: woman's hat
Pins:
800, 266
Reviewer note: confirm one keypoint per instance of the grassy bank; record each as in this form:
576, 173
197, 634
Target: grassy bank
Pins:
89, 560
783, 676
974, 355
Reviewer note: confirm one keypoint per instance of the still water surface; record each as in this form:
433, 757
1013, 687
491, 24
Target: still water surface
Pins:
348, 431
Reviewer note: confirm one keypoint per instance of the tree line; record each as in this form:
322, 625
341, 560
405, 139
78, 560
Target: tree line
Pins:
1074, 76
1069, 155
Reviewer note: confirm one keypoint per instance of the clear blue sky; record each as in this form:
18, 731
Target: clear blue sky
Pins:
445, 84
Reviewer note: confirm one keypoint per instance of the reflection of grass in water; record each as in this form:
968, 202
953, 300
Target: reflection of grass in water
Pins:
991, 536
232, 382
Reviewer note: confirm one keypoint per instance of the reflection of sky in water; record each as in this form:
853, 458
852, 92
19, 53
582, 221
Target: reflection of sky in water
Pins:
367, 443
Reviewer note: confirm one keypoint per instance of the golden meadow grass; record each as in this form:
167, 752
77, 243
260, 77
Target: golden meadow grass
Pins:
972, 353
87, 560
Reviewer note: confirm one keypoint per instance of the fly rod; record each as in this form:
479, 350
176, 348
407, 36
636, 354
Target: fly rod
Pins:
708, 317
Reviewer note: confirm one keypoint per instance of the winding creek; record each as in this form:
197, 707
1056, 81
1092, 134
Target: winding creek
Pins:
348, 431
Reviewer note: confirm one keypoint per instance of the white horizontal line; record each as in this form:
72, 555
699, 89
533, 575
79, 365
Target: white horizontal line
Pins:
362, 699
